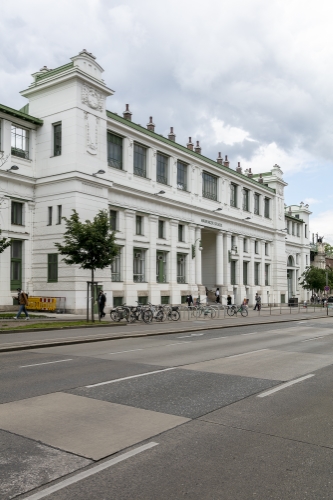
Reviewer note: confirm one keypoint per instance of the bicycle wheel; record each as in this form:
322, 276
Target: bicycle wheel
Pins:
160, 316
175, 316
114, 316
244, 312
147, 316
230, 311
212, 312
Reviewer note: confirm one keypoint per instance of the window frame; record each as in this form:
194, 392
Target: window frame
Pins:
113, 220
182, 175
181, 231
245, 245
256, 207
233, 194
51, 267
49, 216
114, 156
116, 267
209, 186
17, 216
233, 272
139, 265
256, 247
20, 152
162, 179
266, 249
267, 271
181, 268
139, 225
16, 283
245, 272
267, 207
256, 273
161, 229
246, 200
161, 266
57, 139
140, 167
59, 214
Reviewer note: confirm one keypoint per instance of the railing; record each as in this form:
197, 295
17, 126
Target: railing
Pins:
161, 279
162, 179
181, 185
181, 279
140, 171
115, 277
115, 163
210, 196
138, 278
20, 153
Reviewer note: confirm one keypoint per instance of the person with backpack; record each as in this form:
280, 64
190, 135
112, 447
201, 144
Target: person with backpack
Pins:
23, 302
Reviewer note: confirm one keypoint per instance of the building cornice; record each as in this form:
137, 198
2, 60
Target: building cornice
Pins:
20, 114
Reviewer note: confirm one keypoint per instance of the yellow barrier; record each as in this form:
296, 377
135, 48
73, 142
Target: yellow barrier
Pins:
42, 303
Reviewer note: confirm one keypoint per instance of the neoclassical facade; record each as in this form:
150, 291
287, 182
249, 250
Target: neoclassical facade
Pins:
184, 223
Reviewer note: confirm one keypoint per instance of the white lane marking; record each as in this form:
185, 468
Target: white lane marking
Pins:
120, 352
192, 335
48, 363
217, 338
314, 338
132, 376
283, 386
90, 472
253, 333
186, 342
300, 322
244, 353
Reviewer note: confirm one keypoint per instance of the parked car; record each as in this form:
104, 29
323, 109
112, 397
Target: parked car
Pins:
330, 299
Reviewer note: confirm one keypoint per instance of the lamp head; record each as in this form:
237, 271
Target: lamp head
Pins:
100, 172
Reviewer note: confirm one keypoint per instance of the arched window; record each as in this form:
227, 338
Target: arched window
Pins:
290, 262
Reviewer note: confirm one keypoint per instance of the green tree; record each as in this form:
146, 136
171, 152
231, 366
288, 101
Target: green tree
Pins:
89, 244
328, 249
4, 243
314, 278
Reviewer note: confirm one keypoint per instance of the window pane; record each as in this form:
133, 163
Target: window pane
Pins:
140, 160
52, 261
59, 214
138, 224
49, 216
256, 204
161, 229
113, 220
266, 213
139, 265
19, 142
16, 248
17, 212
245, 264
115, 267
233, 195
181, 175
180, 232
115, 151
161, 269
209, 186
181, 268
245, 199
162, 169
57, 139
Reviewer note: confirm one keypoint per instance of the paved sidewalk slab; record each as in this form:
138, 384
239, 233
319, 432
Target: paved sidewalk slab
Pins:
83, 426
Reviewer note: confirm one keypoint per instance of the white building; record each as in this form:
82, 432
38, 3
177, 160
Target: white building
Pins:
184, 222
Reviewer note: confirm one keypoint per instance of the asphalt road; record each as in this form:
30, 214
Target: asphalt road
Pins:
237, 413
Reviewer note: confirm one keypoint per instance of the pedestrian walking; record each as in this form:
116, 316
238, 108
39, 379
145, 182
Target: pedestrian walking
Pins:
228, 300
258, 302
23, 302
189, 299
217, 295
101, 304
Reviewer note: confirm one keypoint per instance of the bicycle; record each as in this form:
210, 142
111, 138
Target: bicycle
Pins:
154, 312
122, 312
172, 313
231, 310
206, 311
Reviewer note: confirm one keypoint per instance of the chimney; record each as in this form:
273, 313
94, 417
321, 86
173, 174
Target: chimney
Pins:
197, 148
171, 135
151, 124
226, 161
250, 174
127, 114
189, 145
219, 159
239, 168
261, 180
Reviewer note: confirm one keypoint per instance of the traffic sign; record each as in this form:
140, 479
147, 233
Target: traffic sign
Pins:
327, 288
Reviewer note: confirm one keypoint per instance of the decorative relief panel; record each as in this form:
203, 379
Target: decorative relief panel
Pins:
92, 122
92, 98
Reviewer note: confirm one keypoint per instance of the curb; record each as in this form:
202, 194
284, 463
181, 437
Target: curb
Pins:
61, 342
52, 329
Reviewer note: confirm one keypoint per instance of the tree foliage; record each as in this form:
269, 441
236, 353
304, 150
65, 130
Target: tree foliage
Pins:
89, 244
328, 249
314, 278
4, 243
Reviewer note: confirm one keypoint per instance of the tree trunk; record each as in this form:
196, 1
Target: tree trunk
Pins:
92, 296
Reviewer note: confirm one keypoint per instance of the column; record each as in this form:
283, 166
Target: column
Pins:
128, 155
219, 258
191, 262
262, 265
198, 273
172, 264
151, 164
240, 247
251, 263
226, 250
128, 249
151, 260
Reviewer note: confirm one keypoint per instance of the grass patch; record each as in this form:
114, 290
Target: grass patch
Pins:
54, 324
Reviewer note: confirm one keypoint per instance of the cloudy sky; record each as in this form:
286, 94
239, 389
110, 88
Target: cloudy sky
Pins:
250, 78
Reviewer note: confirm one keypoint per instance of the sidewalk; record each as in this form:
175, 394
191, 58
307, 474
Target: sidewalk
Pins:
48, 338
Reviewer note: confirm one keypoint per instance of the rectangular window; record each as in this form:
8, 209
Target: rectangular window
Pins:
256, 273
256, 247
293, 229
143, 301
181, 232
113, 220
181, 268
298, 231
139, 265
52, 267
233, 272
16, 264
118, 301
165, 299
181, 175
140, 159
306, 230
20, 142
162, 168
138, 225
57, 139
306, 260
49, 216
17, 213
245, 245
266, 208
161, 267
246, 200
115, 267
233, 243
245, 279
233, 195
115, 151
161, 229
209, 186
256, 209
266, 274
59, 215
266, 249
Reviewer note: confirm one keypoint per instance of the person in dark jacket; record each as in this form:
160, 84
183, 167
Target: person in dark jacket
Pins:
228, 300
101, 304
189, 299
23, 302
